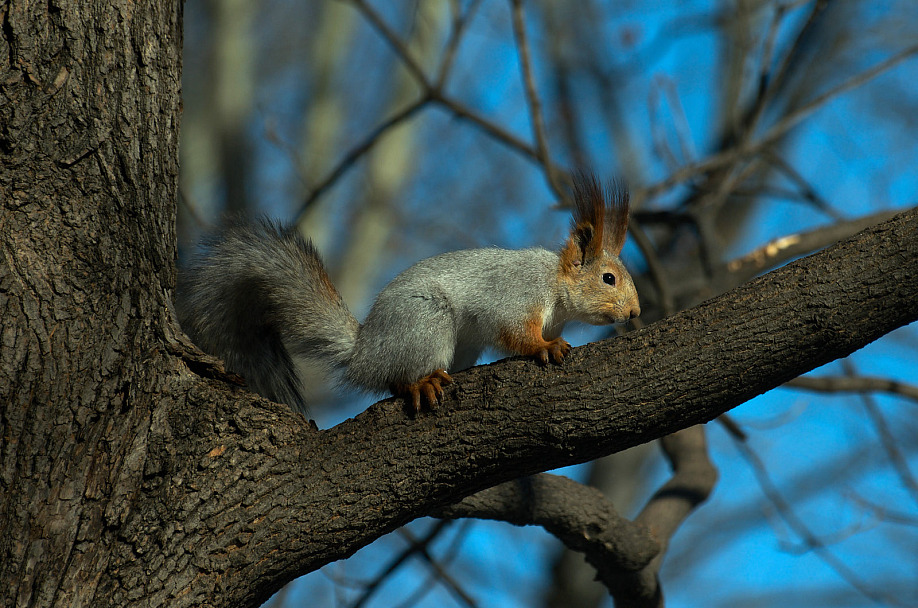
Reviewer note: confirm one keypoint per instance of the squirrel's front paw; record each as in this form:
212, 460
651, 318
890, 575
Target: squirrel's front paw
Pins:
431, 386
554, 350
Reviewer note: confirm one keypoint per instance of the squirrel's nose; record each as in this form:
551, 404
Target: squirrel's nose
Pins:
635, 312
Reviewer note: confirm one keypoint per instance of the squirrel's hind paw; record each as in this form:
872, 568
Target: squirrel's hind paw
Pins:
430, 386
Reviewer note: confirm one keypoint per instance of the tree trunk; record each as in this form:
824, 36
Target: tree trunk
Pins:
133, 472
89, 123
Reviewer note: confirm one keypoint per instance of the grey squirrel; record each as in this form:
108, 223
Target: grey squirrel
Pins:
258, 296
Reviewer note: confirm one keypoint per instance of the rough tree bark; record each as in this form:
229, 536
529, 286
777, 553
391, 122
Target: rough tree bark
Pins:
133, 472
89, 109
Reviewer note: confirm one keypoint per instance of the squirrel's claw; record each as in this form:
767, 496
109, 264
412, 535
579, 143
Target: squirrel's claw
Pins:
430, 386
554, 350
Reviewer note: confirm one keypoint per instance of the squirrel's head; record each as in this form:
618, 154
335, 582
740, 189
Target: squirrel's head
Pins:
597, 286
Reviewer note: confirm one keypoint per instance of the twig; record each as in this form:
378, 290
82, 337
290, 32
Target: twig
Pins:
532, 99
768, 49
747, 149
657, 272
439, 572
884, 513
802, 530
357, 151
658, 134
452, 45
448, 556
791, 246
854, 384
887, 439
395, 42
664, 90
768, 86
807, 192
434, 93
415, 547
505, 137
732, 427
791, 120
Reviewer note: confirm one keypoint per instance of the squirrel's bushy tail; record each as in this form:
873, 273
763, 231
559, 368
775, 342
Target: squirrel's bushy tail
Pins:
258, 294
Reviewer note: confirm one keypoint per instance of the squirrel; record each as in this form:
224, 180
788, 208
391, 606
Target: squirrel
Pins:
258, 296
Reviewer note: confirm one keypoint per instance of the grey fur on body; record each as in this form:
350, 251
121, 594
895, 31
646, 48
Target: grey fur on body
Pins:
456, 305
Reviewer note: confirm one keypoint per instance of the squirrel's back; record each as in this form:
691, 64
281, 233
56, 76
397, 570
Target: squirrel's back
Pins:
456, 304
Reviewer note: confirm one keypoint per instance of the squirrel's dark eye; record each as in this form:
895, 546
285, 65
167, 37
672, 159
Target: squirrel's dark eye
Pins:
608, 278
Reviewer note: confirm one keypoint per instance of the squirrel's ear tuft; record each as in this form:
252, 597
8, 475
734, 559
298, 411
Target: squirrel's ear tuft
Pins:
617, 218
604, 210
589, 210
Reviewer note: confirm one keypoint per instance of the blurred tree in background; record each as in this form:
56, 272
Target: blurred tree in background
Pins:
749, 133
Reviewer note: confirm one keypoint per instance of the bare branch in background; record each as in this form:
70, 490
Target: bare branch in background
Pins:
887, 439
459, 24
777, 131
532, 98
359, 151
394, 41
416, 547
772, 82
854, 384
811, 540
786, 248
438, 572
627, 555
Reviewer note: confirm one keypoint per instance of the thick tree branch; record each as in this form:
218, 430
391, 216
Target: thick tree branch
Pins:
578, 515
692, 482
286, 499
